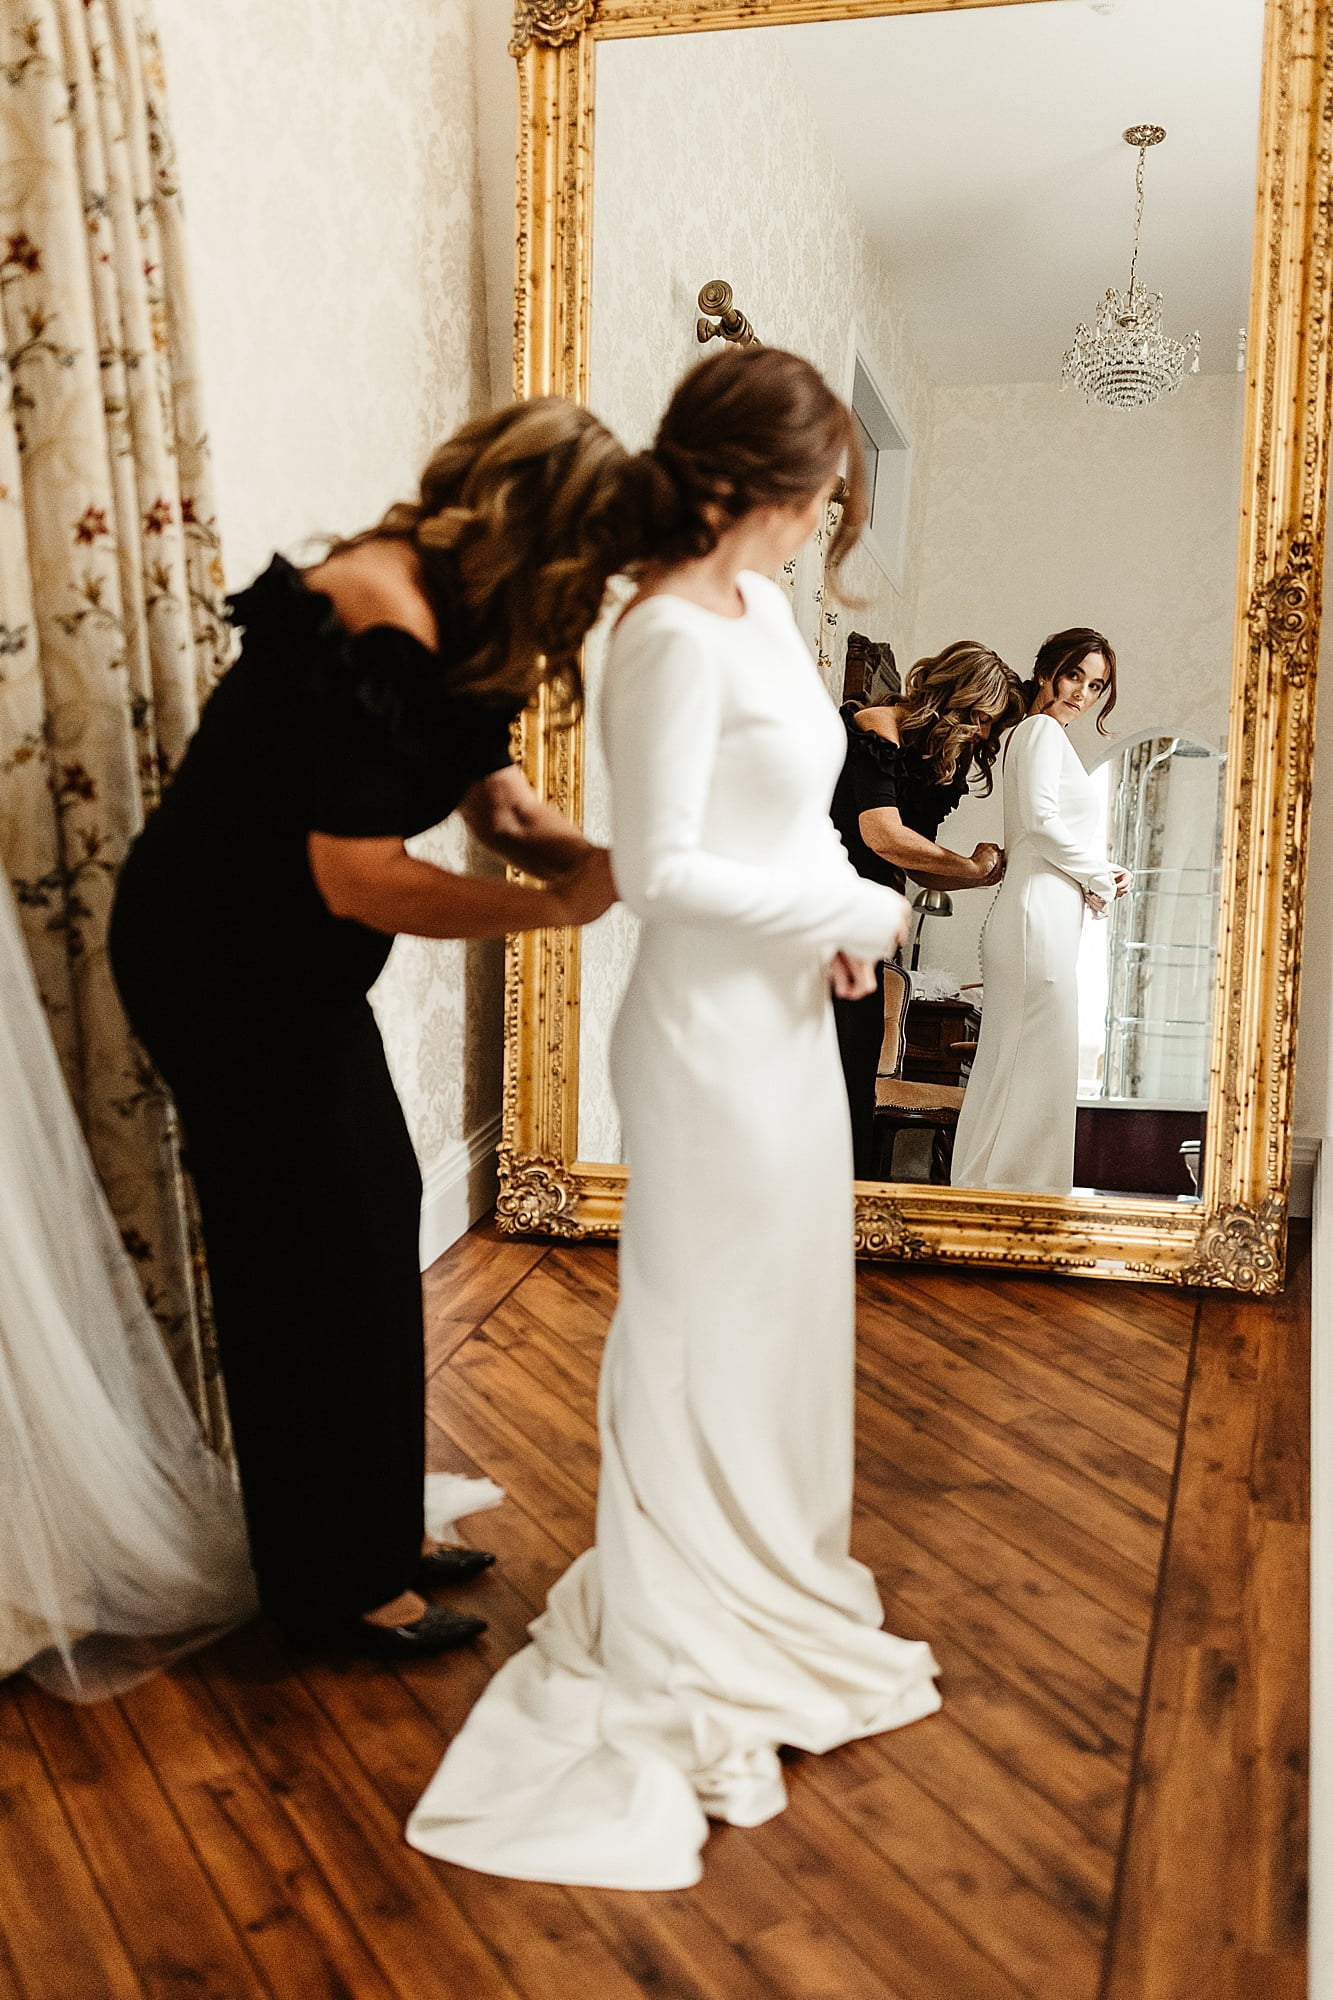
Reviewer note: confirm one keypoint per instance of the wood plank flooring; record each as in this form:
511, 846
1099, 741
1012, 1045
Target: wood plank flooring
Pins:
1092, 1499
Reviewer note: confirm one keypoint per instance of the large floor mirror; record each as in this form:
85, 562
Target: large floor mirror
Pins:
1020, 237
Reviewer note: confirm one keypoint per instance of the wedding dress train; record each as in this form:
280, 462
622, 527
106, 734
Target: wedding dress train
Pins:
719, 1615
122, 1542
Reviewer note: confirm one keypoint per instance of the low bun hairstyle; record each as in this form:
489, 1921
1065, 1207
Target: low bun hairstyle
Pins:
1060, 654
518, 525
749, 427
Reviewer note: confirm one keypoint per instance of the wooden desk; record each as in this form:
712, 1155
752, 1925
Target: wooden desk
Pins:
1134, 1148
932, 1025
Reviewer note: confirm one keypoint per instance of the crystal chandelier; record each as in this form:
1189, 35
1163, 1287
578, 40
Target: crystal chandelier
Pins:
1125, 360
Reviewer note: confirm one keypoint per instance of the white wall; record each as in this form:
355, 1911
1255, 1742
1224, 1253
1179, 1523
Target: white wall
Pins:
1314, 1056
1313, 1129
328, 155
1313, 1119
1321, 1578
496, 76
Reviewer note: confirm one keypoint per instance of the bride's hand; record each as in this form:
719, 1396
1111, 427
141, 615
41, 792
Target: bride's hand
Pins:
851, 978
1096, 903
1123, 880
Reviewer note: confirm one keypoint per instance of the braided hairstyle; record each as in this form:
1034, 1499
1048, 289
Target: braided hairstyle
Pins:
748, 427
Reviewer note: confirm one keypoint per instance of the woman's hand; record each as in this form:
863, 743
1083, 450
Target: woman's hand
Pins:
506, 815
933, 866
851, 978
1094, 902
1124, 881
584, 892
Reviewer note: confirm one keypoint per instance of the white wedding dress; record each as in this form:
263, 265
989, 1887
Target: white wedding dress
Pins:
719, 1614
1016, 1126
122, 1542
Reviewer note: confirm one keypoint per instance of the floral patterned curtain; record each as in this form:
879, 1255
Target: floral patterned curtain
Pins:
112, 623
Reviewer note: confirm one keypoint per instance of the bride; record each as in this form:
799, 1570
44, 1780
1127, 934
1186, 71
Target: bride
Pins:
123, 1543
719, 1614
1016, 1126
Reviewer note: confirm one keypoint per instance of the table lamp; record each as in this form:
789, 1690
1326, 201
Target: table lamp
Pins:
928, 903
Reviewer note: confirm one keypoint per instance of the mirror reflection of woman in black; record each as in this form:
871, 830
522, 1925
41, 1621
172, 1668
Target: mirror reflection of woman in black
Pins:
371, 699
908, 763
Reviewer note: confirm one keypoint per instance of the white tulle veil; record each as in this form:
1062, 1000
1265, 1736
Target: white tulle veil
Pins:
122, 1542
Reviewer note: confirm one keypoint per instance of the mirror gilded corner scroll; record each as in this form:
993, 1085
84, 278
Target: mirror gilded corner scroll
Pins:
553, 23
882, 1230
1236, 1236
1241, 1248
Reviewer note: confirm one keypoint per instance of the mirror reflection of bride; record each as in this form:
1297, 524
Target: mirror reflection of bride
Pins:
1016, 1126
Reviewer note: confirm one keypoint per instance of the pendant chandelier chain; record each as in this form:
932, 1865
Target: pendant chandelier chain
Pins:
1138, 218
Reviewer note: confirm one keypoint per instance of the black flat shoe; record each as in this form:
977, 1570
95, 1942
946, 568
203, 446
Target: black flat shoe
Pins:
436, 1631
451, 1563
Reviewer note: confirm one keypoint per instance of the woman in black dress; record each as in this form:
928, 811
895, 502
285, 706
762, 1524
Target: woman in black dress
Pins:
372, 697
908, 764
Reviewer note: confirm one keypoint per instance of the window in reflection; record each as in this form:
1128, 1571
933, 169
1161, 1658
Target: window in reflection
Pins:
888, 457
1146, 976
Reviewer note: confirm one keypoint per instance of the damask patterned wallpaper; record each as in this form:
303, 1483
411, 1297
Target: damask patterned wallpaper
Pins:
328, 156
709, 165
1046, 511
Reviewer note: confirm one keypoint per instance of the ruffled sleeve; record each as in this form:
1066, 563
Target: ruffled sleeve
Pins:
390, 749
887, 774
874, 765
362, 776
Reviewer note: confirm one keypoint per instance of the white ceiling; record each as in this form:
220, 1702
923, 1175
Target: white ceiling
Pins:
983, 149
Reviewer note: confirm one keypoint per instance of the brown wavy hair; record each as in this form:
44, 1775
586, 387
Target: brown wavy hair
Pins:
518, 525
948, 696
1060, 654
749, 427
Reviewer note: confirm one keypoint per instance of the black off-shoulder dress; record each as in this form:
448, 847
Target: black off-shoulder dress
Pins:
877, 773
250, 996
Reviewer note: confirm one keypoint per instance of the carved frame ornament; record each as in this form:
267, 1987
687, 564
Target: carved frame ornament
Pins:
1236, 1236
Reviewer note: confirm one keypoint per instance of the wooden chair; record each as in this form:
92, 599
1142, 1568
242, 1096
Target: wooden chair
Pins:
902, 1106
866, 657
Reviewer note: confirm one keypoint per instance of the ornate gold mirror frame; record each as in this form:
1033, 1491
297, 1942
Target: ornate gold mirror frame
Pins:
1236, 1235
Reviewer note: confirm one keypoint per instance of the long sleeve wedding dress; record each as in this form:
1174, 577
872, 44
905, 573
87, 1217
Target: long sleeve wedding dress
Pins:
719, 1614
1016, 1127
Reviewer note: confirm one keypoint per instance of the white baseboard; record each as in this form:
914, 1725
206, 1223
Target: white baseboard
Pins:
459, 1189
1304, 1154
1321, 1587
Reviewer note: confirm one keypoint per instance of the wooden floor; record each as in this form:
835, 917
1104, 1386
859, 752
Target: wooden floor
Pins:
1092, 1499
